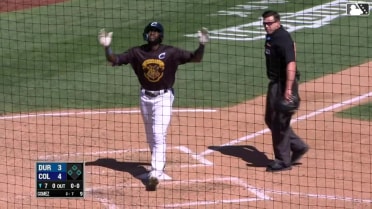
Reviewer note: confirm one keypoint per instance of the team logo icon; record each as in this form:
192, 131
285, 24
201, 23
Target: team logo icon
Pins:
153, 69
357, 9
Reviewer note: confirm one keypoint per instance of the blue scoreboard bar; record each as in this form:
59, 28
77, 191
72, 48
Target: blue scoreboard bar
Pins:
60, 179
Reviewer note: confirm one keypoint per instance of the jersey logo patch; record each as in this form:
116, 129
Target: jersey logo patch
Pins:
153, 69
161, 55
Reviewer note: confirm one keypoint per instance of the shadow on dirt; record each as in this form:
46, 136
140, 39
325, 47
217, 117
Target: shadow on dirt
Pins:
249, 154
136, 169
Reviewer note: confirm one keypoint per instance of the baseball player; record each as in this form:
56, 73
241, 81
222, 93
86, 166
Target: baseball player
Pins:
155, 65
282, 72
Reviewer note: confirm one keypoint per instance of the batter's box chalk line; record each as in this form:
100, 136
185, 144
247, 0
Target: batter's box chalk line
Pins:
202, 162
232, 180
258, 193
65, 114
162, 177
199, 158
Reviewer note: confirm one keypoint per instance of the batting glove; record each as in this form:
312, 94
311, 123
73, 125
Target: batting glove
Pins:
203, 35
104, 38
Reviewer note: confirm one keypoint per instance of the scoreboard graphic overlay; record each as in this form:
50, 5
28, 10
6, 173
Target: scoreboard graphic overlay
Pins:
60, 179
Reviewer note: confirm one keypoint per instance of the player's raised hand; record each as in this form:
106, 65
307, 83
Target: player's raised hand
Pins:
203, 36
104, 38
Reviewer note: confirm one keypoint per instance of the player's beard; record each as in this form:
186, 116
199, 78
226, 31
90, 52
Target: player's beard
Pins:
155, 42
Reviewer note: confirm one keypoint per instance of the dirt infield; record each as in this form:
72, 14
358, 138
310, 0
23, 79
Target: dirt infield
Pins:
216, 159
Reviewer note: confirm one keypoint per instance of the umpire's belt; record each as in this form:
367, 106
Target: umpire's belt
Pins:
154, 93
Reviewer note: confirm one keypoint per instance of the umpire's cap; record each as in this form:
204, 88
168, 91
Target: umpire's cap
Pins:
153, 25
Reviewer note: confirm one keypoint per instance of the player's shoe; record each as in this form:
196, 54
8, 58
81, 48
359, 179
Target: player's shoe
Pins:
153, 180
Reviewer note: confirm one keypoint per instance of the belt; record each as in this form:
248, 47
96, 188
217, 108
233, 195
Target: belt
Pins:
154, 93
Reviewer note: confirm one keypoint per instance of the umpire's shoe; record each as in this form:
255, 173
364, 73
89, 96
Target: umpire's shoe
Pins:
153, 181
297, 155
277, 166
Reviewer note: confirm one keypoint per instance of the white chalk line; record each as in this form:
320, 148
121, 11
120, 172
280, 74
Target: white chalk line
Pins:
258, 133
64, 114
197, 157
232, 180
138, 185
212, 202
304, 117
103, 172
107, 152
202, 161
106, 202
262, 194
319, 196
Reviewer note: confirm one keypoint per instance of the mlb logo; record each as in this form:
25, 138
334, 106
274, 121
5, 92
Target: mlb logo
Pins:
357, 9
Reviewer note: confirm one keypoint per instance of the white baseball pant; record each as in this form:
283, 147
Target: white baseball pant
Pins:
156, 112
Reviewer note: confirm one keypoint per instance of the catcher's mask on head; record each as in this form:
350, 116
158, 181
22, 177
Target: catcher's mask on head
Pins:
153, 26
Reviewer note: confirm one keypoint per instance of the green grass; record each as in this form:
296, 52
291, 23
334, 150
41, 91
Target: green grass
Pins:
361, 112
51, 59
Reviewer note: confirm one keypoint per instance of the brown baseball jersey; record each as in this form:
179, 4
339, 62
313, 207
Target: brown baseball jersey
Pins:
156, 70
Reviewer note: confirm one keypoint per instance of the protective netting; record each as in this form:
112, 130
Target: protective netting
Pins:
62, 102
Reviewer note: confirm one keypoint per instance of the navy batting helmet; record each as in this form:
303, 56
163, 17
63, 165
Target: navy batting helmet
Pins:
153, 25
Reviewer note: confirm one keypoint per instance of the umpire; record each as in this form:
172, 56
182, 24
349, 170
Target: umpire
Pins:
282, 95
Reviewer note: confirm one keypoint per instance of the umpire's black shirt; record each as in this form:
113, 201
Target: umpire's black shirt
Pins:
279, 51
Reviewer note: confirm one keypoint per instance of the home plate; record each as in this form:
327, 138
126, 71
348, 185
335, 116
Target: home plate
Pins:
163, 177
